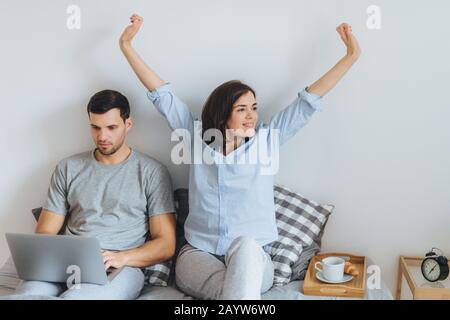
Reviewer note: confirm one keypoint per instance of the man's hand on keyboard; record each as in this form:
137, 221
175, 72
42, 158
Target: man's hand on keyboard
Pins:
114, 259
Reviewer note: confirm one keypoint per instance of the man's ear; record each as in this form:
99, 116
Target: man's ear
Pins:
128, 123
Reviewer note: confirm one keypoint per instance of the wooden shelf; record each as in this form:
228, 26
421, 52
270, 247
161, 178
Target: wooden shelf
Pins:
421, 289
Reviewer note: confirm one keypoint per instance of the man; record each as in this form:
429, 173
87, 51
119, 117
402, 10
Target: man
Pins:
115, 194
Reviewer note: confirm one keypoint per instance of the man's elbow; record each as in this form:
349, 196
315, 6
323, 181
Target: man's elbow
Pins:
46, 231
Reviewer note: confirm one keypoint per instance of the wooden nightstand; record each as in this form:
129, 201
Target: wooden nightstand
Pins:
421, 289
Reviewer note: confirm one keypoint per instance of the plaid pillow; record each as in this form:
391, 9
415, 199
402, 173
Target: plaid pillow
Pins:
300, 222
283, 257
157, 274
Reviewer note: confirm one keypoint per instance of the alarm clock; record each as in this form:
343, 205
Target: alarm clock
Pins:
435, 266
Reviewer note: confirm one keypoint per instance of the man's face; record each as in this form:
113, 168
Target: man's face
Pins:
109, 130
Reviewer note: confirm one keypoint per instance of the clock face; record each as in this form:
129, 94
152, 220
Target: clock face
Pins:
431, 270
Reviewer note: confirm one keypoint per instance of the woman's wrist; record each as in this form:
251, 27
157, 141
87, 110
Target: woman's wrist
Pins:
352, 55
125, 44
350, 58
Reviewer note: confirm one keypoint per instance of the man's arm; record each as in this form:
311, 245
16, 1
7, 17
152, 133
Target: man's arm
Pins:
332, 77
49, 222
160, 248
146, 75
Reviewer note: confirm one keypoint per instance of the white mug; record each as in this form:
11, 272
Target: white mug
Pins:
332, 268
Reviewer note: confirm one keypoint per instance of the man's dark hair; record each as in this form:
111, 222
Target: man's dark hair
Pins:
105, 100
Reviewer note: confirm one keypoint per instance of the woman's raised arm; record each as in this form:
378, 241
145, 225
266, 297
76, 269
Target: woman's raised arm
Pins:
146, 75
159, 92
332, 77
292, 118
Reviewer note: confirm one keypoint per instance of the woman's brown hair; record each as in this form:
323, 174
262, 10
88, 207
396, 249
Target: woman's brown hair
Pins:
218, 106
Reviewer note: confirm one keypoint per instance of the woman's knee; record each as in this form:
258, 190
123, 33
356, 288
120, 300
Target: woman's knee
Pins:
244, 243
199, 274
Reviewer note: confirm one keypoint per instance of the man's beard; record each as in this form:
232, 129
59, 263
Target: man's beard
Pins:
111, 151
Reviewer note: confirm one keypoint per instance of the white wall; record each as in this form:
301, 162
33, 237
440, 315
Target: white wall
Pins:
380, 152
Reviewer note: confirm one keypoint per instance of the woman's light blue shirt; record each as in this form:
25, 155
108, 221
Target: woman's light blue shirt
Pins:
232, 196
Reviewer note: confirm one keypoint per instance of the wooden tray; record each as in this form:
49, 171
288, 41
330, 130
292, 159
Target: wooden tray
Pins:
355, 288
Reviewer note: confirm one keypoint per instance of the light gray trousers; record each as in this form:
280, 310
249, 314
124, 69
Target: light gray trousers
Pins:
126, 285
243, 273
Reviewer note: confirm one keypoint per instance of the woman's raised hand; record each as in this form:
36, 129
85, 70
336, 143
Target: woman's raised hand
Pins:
332, 77
345, 31
131, 30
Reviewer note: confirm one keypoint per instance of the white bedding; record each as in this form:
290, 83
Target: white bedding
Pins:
292, 291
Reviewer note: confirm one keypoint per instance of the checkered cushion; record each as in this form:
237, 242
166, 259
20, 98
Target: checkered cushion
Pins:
158, 274
283, 256
301, 223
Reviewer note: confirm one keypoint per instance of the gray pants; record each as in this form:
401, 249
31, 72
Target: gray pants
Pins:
126, 285
243, 273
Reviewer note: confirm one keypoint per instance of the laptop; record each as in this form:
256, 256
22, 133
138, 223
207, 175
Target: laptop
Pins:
55, 258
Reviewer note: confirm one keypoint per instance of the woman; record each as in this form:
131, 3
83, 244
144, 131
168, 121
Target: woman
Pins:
231, 204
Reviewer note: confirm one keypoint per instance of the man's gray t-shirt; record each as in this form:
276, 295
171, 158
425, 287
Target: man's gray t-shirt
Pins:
110, 202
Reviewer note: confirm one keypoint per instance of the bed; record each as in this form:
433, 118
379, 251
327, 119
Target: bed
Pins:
285, 200
291, 291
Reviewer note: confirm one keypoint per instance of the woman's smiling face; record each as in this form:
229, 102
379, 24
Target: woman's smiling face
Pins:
244, 116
